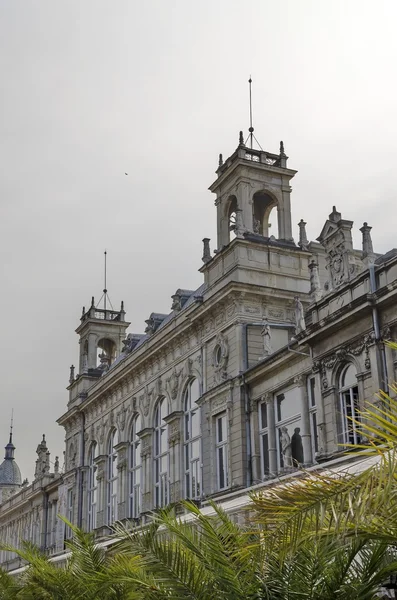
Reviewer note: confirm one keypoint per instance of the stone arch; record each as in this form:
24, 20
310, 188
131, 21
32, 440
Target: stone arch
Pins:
263, 203
88, 447
347, 399
341, 365
194, 374
130, 421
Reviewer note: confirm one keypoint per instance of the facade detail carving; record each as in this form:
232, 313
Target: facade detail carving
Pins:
220, 358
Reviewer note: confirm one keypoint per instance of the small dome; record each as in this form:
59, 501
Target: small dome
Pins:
10, 473
9, 470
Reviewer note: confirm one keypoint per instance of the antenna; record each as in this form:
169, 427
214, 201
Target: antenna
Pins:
104, 289
105, 294
251, 135
11, 425
251, 129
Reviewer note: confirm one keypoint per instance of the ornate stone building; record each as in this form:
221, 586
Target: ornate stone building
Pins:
250, 376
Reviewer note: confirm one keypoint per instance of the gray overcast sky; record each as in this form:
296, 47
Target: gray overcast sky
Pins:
93, 89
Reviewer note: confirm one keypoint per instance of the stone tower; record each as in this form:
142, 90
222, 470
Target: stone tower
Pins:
249, 185
10, 475
101, 332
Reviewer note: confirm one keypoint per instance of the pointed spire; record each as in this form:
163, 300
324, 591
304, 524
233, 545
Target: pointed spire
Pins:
92, 302
83, 312
71, 376
11, 425
241, 140
282, 151
206, 250
220, 160
9, 449
335, 216
368, 249
303, 241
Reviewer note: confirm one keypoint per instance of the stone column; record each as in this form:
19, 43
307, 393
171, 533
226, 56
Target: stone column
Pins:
391, 374
245, 203
122, 476
271, 425
321, 430
174, 422
300, 380
255, 450
285, 225
146, 435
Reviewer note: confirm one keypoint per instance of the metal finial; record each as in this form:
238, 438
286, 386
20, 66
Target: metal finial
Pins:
282, 151
83, 312
241, 139
11, 424
251, 129
104, 287
220, 160
92, 302
122, 306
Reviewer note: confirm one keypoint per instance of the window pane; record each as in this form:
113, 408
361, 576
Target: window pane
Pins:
312, 388
195, 452
265, 454
194, 391
263, 415
195, 422
349, 378
221, 468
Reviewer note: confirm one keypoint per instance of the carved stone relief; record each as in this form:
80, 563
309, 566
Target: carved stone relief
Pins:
220, 358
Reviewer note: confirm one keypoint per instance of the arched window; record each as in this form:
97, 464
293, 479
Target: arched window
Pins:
111, 478
349, 405
161, 454
135, 470
192, 439
92, 488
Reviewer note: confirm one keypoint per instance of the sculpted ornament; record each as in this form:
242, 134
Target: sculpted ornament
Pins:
144, 401
220, 357
173, 383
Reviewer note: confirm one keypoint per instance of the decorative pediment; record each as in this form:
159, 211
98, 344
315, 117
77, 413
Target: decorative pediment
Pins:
328, 229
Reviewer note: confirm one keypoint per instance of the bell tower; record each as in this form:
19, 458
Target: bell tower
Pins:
250, 183
101, 332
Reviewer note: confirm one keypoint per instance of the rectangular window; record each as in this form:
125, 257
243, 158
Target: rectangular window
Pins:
221, 447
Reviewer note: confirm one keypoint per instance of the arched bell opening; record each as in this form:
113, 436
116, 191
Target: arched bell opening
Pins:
265, 215
106, 353
231, 211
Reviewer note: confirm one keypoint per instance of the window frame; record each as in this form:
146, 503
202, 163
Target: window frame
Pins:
222, 449
92, 488
191, 464
350, 431
112, 478
135, 468
160, 476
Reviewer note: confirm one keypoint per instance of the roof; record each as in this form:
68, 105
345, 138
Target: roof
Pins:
10, 473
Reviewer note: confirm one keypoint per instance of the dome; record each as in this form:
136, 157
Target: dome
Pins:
9, 470
10, 473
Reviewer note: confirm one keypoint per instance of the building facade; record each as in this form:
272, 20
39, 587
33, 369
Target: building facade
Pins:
249, 377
